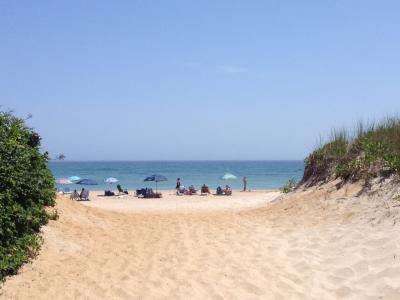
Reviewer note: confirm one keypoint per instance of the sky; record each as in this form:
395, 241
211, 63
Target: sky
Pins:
197, 80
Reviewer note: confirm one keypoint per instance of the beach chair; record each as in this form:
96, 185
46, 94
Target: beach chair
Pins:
74, 195
121, 191
141, 193
182, 191
148, 193
84, 196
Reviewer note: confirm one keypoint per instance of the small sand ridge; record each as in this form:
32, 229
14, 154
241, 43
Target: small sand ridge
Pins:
317, 244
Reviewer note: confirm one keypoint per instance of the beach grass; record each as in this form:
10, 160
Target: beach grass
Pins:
368, 150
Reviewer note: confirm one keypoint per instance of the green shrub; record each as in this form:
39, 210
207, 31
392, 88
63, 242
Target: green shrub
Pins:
53, 215
392, 161
26, 187
349, 169
289, 186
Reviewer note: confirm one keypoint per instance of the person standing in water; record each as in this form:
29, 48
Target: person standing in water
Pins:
244, 183
178, 184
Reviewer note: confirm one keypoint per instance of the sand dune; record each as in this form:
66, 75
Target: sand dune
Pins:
318, 244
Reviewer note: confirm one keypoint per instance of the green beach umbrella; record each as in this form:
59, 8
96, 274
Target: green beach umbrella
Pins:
228, 176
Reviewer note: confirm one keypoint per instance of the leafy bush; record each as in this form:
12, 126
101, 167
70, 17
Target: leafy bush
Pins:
26, 187
349, 169
53, 215
392, 161
289, 186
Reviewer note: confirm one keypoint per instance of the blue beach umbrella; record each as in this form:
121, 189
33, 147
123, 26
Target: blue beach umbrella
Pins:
87, 182
110, 180
156, 178
74, 178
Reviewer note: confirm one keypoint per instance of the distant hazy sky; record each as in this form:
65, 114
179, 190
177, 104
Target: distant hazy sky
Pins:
197, 79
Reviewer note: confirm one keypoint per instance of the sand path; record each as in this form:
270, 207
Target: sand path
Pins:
308, 246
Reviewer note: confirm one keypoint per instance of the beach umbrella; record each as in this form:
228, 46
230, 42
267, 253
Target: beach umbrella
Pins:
228, 176
74, 178
110, 180
156, 178
64, 181
87, 182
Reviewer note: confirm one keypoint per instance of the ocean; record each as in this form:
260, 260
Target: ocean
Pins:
260, 174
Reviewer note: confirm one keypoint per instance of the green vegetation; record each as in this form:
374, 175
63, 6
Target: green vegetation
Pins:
26, 188
372, 150
289, 186
53, 215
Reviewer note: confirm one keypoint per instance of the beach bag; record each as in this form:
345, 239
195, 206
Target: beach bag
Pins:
109, 193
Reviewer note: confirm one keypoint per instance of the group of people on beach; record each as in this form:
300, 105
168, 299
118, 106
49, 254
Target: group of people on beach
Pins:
181, 190
148, 193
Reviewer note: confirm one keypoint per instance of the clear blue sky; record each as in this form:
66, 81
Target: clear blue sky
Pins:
197, 79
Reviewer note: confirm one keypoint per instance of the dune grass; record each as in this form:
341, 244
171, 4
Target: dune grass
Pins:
368, 150
289, 186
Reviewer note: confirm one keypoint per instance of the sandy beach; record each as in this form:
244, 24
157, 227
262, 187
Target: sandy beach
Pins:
286, 111
322, 243
171, 203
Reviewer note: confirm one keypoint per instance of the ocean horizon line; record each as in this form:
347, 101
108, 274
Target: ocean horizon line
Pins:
183, 160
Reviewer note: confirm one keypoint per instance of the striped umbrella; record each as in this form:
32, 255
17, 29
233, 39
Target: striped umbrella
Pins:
63, 181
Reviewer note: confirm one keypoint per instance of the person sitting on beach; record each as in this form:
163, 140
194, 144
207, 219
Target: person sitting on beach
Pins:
74, 195
205, 189
178, 184
81, 194
192, 190
227, 190
181, 191
219, 191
